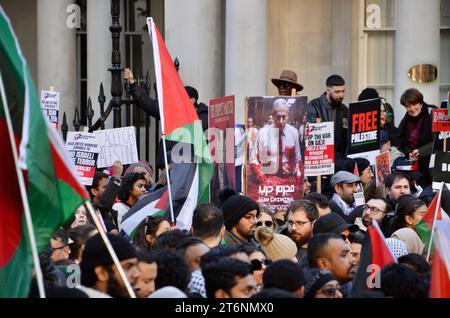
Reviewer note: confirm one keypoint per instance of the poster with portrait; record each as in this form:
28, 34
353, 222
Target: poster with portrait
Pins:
382, 167
221, 144
364, 129
274, 178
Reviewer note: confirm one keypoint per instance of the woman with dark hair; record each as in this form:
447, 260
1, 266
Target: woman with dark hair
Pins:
409, 212
148, 231
416, 137
131, 189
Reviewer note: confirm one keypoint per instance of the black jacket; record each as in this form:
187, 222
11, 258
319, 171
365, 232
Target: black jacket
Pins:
425, 143
151, 107
321, 108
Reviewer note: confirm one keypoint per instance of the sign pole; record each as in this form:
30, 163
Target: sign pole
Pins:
318, 178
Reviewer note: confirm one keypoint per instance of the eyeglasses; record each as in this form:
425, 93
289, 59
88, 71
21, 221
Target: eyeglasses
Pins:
297, 223
266, 223
372, 210
346, 237
258, 265
331, 291
59, 248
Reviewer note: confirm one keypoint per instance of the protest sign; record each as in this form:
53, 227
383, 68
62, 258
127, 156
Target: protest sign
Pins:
50, 106
364, 129
438, 145
319, 149
440, 120
221, 144
274, 178
441, 170
382, 167
83, 149
117, 144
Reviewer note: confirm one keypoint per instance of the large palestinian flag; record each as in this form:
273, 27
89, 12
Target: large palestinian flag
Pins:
180, 123
375, 254
52, 189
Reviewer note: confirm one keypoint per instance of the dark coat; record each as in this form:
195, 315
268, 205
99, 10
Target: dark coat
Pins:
321, 108
425, 142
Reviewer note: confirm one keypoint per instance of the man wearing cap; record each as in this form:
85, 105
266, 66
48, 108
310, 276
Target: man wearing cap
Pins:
345, 185
99, 276
266, 158
286, 82
240, 216
333, 223
329, 107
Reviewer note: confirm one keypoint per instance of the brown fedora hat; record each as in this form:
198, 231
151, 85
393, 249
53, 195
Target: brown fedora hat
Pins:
288, 76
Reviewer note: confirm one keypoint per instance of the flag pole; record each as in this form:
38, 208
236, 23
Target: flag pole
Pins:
23, 194
172, 218
438, 206
105, 239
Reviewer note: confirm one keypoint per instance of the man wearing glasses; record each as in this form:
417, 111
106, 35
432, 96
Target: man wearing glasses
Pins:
301, 217
376, 209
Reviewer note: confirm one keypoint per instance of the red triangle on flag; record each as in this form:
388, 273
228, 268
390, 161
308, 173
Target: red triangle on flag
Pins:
381, 253
176, 108
355, 170
429, 215
162, 202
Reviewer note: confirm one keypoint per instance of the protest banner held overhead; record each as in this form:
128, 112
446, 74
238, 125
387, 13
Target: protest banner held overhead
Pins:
221, 144
364, 129
50, 106
382, 167
274, 169
117, 144
319, 149
83, 148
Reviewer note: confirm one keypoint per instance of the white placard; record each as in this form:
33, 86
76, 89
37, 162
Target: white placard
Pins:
117, 144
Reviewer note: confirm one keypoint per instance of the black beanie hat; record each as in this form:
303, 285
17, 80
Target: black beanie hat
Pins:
236, 207
284, 274
96, 254
317, 278
368, 93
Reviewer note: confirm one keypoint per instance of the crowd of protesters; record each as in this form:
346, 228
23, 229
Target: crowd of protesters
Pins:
239, 249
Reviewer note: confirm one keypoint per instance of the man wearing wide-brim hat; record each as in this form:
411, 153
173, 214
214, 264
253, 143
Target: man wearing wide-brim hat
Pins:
286, 82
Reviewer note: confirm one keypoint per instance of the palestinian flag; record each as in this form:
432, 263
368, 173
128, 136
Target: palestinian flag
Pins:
153, 204
408, 165
375, 254
184, 200
440, 270
425, 226
180, 123
52, 189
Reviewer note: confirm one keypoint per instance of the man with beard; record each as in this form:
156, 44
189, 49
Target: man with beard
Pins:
329, 107
345, 185
377, 209
328, 251
99, 276
301, 217
240, 216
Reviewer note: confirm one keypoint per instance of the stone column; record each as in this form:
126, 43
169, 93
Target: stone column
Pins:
99, 49
56, 51
245, 51
193, 34
417, 41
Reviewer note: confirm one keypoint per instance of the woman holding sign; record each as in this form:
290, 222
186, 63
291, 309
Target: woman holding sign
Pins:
416, 137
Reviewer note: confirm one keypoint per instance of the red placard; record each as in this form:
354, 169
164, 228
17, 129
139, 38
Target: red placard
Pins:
440, 120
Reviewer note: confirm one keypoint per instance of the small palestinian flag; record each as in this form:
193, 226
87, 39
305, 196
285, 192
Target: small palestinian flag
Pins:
440, 270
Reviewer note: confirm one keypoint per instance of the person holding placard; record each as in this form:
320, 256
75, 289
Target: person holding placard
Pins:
416, 137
